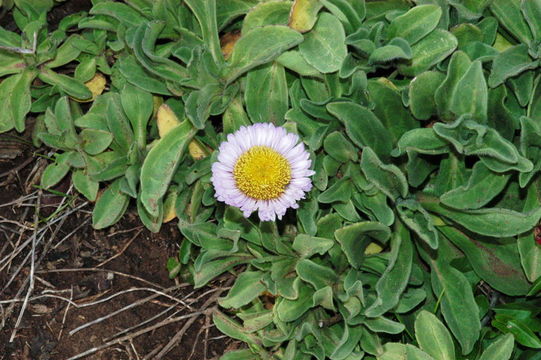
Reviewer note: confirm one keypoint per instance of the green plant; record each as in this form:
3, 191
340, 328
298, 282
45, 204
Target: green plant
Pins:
422, 119
35, 62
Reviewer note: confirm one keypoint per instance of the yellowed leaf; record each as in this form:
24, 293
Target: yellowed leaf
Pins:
501, 44
372, 248
228, 41
167, 120
157, 101
388, 83
169, 212
303, 14
197, 150
96, 85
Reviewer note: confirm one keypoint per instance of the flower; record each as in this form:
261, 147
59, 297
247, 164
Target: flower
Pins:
262, 168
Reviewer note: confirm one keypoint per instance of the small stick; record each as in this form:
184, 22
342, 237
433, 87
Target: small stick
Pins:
134, 335
32, 269
128, 243
127, 330
18, 167
175, 340
106, 270
65, 314
132, 305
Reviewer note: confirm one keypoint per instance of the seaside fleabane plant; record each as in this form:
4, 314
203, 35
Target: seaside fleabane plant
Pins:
262, 168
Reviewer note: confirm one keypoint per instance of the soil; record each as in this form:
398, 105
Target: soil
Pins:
135, 262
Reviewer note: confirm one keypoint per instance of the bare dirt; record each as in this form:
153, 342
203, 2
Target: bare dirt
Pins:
82, 275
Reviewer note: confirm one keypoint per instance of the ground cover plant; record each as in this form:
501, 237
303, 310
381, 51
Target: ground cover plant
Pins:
419, 237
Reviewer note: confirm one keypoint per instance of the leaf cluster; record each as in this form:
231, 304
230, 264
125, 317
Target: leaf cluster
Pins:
423, 123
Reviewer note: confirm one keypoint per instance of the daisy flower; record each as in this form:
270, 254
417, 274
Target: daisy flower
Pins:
262, 168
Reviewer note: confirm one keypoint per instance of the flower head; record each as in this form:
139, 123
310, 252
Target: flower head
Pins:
262, 168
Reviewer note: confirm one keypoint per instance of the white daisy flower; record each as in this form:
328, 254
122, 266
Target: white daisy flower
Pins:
262, 168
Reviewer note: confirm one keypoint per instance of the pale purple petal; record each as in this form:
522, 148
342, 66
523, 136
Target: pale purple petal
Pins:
277, 138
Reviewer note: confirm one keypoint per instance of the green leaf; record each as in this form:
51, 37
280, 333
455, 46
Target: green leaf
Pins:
421, 94
470, 95
118, 124
11, 63
509, 15
390, 109
247, 287
397, 49
395, 278
362, 127
205, 12
494, 222
16, 99
138, 76
232, 329
384, 325
152, 223
396, 351
144, 43
500, 349
53, 173
340, 191
529, 250
67, 52
126, 15
429, 51
110, 206
235, 116
200, 102
433, 337
294, 61
509, 63
422, 141
522, 86
306, 245
483, 185
419, 220
67, 84
496, 263
521, 331
266, 94
216, 267
161, 163
260, 46
138, 105
290, 310
338, 147
85, 185
536, 287
457, 304
244, 354
532, 13
471, 138
266, 13
458, 65
388, 178
416, 23
317, 275
324, 47
227, 10
347, 342
356, 237
95, 141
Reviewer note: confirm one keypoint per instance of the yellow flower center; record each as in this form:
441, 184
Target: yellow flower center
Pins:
262, 173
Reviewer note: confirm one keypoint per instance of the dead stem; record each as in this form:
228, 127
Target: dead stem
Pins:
32, 269
128, 243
